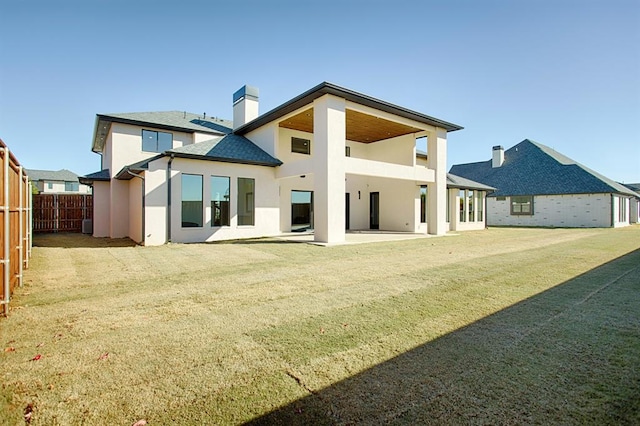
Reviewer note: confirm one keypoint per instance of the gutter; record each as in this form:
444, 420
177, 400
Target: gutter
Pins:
143, 203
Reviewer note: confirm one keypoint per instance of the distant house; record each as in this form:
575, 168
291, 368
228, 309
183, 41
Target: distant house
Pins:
634, 207
329, 160
57, 182
537, 186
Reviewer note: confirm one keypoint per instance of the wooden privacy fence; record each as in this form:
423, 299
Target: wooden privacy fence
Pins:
15, 223
61, 212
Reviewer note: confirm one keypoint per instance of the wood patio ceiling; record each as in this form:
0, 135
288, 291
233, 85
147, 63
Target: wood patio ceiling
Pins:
360, 127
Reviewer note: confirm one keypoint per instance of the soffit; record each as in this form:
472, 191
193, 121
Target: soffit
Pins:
360, 127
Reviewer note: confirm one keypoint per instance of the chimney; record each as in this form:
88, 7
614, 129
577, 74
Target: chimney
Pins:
498, 156
245, 105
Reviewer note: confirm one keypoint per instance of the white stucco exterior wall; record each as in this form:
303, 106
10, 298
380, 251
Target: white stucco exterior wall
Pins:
437, 191
101, 209
329, 128
135, 210
155, 211
266, 204
571, 211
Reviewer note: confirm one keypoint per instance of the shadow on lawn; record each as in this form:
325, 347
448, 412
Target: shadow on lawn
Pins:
568, 355
75, 240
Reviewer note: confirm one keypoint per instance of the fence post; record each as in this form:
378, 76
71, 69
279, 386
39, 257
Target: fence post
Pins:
7, 236
20, 226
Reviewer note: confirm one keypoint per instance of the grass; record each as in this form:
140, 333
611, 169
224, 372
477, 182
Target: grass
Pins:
505, 326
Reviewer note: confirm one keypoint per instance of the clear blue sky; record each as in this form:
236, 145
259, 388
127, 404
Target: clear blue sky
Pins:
563, 73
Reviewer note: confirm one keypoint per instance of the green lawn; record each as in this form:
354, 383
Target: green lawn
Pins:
504, 326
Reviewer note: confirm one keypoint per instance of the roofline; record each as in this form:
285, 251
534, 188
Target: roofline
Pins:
326, 88
487, 188
224, 160
113, 119
566, 193
88, 181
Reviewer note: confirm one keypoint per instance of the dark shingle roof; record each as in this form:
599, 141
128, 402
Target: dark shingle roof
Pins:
329, 88
179, 121
633, 186
62, 175
231, 148
531, 168
102, 175
176, 119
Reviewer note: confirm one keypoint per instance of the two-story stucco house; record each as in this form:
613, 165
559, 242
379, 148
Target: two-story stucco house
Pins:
330, 159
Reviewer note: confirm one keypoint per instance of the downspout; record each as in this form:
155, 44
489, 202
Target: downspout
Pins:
6, 213
169, 198
143, 203
613, 216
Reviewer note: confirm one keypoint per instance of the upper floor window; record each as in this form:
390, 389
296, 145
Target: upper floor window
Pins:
301, 146
49, 185
522, 205
156, 141
347, 151
71, 186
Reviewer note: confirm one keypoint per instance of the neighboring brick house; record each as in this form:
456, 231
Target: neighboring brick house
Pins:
538, 186
634, 207
57, 182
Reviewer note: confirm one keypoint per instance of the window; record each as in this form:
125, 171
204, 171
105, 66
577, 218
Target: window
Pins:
71, 186
423, 204
622, 209
347, 151
156, 141
220, 200
246, 200
191, 201
463, 206
49, 185
301, 146
480, 204
522, 205
471, 196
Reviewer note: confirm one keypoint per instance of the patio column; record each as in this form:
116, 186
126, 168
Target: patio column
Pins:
437, 159
329, 133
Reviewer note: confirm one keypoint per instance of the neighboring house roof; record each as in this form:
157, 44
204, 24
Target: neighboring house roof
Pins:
328, 88
635, 187
179, 121
454, 181
102, 175
62, 175
531, 168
